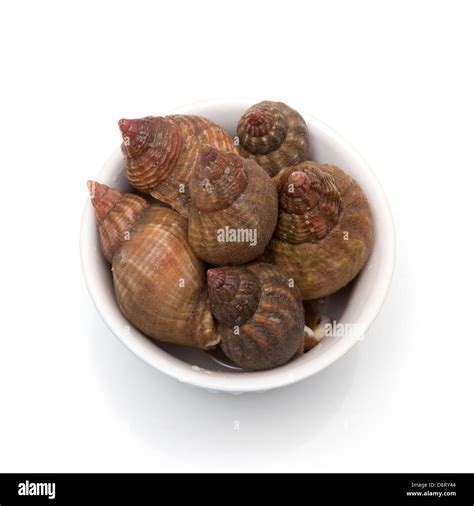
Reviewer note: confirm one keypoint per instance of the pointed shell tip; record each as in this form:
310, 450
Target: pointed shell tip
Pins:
215, 278
208, 154
124, 125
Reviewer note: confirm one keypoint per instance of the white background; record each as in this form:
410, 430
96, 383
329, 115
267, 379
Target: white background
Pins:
395, 78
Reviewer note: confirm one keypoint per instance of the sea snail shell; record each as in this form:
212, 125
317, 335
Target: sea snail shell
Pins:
160, 151
324, 233
234, 208
259, 312
160, 284
273, 134
116, 214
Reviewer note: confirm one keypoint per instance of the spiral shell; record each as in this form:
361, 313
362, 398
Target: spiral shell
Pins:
160, 284
259, 312
273, 134
324, 233
116, 214
151, 148
160, 152
234, 208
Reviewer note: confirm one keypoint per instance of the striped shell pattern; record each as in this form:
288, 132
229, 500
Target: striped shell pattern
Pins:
259, 313
274, 135
324, 233
160, 284
230, 194
161, 151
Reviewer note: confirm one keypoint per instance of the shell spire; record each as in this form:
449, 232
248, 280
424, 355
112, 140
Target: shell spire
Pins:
263, 129
116, 214
234, 294
234, 208
218, 179
136, 134
161, 151
259, 313
273, 134
103, 199
151, 147
309, 204
324, 233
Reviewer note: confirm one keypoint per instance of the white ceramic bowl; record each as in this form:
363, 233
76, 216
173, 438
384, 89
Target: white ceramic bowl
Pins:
357, 305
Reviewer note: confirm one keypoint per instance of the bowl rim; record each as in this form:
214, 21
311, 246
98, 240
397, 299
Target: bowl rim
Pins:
259, 381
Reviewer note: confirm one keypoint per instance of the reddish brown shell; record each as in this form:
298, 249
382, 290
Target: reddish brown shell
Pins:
273, 134
259, 312
218, 180
310, 204
160, 283
160, 152
151, 148
116, 215
324, 233
234, 208
234, 295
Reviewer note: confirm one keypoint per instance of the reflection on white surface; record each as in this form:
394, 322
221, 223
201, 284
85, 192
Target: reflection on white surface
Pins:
178, 419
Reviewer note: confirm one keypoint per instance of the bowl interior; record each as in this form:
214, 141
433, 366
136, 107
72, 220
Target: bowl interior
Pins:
356, 305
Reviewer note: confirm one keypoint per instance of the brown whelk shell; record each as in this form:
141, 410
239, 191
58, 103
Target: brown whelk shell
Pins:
259, 312
160, 284
273, 134
324, 233
160, 152
230, 194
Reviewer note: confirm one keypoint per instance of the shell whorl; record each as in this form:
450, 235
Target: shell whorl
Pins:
217, 180
310, 204
274, 134
116, 214
234, 294
160, 284
234, 208
160, 154
260, 314
151, 148
262, 129
136, 134
325, 246
103, 199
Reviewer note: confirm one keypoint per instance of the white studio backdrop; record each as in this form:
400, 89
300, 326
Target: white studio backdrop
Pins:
395, 78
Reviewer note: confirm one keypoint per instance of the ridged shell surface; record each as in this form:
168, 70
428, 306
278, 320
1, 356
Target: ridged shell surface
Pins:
260, 314
151, 149
160, 284
234, 208
324, 233
160, 151
273, 134
175, 189
116, 213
